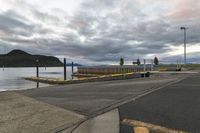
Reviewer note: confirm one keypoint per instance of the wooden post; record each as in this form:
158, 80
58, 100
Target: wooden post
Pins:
65, 71
37, 68
144, 68
72, 69
144, 65
151, 65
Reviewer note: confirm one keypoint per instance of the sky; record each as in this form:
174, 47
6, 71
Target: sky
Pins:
102, 31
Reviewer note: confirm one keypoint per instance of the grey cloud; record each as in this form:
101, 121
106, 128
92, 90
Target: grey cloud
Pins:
192, 58
99, 4
13, 24
9, 22
9, 25
108, 27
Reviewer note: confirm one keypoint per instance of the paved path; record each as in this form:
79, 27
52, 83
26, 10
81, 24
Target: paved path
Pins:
176, 106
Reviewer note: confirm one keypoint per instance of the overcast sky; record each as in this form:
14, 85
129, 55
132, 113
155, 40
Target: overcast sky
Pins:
101, 31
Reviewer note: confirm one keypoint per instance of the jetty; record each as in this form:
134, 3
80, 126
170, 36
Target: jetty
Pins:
83, 78
97, 73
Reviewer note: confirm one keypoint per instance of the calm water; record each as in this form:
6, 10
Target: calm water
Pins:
11, 78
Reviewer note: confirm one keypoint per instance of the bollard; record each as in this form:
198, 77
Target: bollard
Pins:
37, 68
141, 130
65, 71
72, 69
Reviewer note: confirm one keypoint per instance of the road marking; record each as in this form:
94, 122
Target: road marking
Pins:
151, 127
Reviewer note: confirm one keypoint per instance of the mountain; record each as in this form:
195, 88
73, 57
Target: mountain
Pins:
75, 64
19, 58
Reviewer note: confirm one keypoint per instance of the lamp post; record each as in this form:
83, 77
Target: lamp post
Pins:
184, 29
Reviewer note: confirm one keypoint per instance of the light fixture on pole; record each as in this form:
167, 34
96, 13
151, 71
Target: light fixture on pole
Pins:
184, 29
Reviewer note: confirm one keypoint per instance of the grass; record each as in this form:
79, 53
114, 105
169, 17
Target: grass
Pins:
173, 66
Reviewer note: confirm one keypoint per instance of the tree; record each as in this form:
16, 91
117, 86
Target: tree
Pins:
121, 62
156, 61
138, 62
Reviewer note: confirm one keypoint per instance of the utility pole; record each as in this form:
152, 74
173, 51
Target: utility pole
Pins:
184, 29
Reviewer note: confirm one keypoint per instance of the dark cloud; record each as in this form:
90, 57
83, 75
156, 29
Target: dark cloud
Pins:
9, 24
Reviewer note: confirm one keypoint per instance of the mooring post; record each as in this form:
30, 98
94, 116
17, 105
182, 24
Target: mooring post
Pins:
65, 71
144, 65
152, 65
72, 69
144, 68
37, 68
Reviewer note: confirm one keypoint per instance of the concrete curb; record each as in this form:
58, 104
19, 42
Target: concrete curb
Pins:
84, 80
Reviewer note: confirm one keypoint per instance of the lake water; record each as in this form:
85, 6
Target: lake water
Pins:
12, 78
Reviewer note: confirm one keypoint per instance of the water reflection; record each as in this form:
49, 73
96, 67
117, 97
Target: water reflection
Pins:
11, 78
38, 84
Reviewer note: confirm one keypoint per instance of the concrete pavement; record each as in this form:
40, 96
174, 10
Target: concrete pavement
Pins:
21, 114
105, 123
47, 109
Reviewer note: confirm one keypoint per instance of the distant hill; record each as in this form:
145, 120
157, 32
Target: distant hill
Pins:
75, 64
19, 58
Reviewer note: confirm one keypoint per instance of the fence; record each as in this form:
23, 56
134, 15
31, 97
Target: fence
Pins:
113, 69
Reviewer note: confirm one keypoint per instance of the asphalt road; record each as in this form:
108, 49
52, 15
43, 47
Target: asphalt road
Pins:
176, 106
90, 98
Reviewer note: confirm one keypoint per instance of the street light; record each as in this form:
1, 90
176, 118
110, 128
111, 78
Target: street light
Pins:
184, 28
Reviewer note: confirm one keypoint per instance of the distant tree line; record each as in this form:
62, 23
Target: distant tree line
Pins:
121, 61
138, 62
